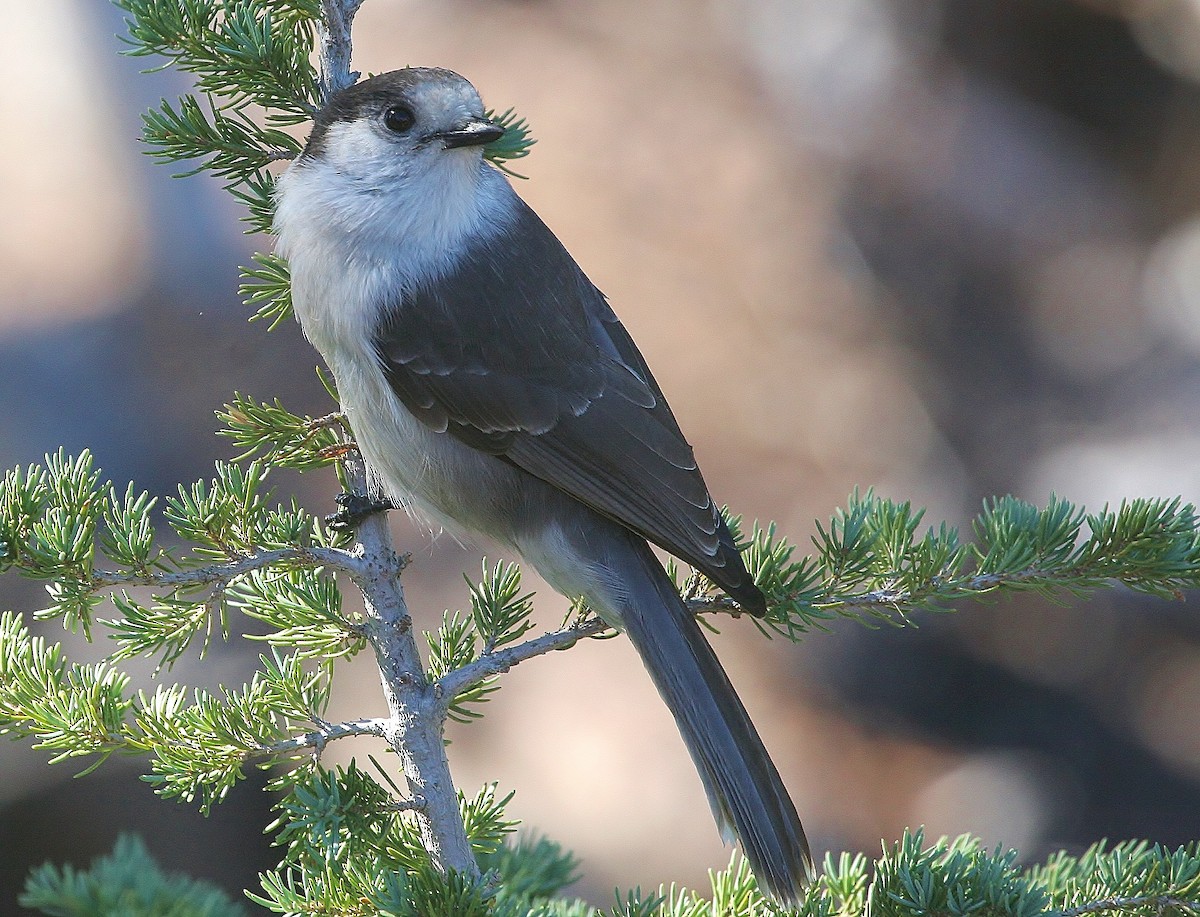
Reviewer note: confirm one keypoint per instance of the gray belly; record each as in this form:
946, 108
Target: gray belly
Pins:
433, 475
451, 486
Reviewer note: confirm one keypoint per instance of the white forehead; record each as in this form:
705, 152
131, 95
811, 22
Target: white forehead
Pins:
448, 98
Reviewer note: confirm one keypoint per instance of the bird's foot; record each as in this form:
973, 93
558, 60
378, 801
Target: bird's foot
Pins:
354, 508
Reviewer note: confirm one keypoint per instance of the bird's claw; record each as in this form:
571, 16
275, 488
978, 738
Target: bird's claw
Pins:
354, 508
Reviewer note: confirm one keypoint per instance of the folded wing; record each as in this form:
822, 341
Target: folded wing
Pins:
517, 354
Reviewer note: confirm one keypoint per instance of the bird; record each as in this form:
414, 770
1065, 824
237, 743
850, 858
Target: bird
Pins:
494, 393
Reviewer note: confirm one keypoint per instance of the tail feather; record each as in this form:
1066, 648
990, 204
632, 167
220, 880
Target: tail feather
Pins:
747, 796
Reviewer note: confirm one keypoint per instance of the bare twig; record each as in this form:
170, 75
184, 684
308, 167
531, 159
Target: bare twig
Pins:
711, 604
1117, 903
336, 19
414, 728
454, 683
326, 733
901, 601
334, 558
336, 419
493, 662
416, 804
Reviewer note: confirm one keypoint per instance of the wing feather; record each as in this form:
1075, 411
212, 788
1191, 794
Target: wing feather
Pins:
515, 353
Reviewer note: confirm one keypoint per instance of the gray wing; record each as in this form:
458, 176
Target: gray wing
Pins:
517, 354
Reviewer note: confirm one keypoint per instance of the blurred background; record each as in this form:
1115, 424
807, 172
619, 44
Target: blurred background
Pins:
948, 249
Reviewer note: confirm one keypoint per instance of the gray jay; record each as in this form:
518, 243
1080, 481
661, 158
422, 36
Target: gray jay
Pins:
492, 391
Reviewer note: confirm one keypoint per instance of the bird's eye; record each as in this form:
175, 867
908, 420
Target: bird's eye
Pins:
399, 118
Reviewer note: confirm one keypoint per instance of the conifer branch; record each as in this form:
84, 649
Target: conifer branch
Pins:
216, 574
414, 728
326, 733
457, 681
1117, 903
336, 44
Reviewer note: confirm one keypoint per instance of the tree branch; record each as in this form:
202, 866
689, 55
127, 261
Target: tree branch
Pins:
326, 733
414, 728
1120, 904
336, 19
334, 558
902, 601
455, 682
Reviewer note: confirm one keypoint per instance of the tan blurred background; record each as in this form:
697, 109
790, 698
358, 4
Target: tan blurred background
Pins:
949, 249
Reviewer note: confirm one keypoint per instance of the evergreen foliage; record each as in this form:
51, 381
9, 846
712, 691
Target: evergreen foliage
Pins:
128, 883
873, 563
353, 842
955, 878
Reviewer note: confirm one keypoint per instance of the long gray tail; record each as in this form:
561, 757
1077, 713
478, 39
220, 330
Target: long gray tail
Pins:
743, 786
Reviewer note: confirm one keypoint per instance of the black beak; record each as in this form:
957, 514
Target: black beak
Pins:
473, 133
